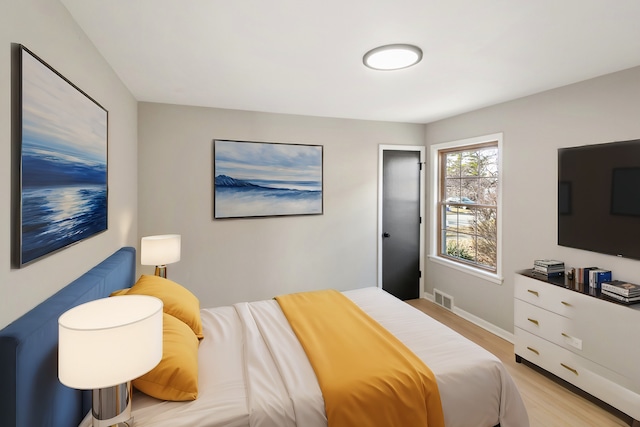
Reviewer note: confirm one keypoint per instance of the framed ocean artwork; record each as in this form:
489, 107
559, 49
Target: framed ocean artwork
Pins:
62, 165
263, 179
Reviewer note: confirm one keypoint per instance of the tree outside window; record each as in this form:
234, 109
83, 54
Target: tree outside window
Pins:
468, 205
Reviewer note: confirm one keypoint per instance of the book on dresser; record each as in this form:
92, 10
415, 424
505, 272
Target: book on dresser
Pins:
618, 297
582, 275
597, 276
548, 267
619, 287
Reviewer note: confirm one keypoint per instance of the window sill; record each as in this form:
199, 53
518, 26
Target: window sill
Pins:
491, 277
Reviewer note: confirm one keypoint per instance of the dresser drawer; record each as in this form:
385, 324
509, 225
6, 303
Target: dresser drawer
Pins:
595, 379
549, 297
612, 332
550, 326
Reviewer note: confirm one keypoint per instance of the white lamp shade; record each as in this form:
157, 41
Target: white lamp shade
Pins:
109, 341
160, 250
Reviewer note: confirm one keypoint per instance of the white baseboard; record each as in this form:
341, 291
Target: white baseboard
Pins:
476, 320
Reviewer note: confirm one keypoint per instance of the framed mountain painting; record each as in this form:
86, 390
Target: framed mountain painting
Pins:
263, 179
62, 165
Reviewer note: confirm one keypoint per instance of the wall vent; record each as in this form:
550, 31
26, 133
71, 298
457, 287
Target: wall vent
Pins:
443, 299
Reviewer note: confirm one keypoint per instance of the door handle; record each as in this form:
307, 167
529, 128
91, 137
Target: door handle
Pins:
386, 235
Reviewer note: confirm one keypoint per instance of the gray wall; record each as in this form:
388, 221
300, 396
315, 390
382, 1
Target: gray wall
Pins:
226, 261
599, 110
46, 28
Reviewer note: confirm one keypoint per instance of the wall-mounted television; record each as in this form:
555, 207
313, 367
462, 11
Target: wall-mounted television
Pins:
599, 198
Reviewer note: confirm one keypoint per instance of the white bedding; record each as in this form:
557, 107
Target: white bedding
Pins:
253, 371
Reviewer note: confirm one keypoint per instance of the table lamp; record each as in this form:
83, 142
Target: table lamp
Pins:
106, 343
159, 251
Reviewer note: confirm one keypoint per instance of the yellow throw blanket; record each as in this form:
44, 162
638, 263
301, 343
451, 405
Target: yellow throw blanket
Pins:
367, 376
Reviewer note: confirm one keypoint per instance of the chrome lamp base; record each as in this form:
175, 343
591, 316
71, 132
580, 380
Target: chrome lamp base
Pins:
161, 270
112, 406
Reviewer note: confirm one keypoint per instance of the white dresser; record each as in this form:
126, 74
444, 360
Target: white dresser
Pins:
590, 342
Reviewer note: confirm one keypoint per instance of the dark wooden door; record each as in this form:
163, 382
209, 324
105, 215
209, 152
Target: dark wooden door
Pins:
401, 223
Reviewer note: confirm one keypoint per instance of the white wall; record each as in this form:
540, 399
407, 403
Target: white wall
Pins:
226, 261
46, 28
600, 110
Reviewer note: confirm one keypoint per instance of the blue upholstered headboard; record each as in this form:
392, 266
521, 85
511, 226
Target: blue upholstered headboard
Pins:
30, 393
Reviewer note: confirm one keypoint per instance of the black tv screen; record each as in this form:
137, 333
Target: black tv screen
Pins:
599, 198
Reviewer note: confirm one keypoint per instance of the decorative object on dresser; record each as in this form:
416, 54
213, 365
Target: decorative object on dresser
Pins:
106, 343
160, 250
564, 328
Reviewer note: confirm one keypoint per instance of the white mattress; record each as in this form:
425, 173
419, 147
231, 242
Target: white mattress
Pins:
253, 372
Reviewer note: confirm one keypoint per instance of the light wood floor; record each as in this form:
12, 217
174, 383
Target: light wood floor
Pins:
548, 403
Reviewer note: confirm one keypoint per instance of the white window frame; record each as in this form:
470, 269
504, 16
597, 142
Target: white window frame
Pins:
494, 277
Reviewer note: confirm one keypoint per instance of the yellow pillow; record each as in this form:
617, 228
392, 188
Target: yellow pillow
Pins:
178, 300
119, 292
176, 376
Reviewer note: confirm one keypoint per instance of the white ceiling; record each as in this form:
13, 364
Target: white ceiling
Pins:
305, 57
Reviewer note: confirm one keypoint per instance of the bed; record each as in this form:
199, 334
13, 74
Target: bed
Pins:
252, 370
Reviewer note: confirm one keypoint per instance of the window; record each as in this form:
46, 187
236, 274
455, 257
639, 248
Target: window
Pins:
467, 203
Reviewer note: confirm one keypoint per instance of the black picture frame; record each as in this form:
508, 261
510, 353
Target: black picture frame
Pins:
265, 179
60, 169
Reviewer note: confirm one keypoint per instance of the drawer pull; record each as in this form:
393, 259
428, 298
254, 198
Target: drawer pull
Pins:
532, 292
572, 341
533, 350
566, 303
534, 321
569, 368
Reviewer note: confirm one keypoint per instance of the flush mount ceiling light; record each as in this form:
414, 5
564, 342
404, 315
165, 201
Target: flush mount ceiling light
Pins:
392, 57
